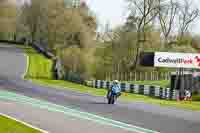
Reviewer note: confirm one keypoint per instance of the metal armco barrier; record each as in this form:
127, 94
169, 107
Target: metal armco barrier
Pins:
148, 90
12, 42
43, 51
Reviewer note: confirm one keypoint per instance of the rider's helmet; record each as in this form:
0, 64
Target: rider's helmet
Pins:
115, 81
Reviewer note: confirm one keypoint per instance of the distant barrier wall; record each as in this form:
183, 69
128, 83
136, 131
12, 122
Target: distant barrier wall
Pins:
148, 90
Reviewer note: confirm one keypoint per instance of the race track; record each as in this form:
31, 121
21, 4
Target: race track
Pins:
150, 117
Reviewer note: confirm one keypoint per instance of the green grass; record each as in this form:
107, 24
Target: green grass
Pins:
10, 126
161, 83
39, 66
125, 96
71, 86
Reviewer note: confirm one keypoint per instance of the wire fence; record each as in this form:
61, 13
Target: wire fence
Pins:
138, 76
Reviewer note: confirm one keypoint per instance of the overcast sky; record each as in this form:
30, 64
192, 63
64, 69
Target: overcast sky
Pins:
114, 11
108, 10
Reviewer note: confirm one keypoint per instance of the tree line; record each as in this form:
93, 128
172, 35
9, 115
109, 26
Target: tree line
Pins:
151, 25
71, 33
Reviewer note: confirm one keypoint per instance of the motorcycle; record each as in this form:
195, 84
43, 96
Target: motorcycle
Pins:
112, 97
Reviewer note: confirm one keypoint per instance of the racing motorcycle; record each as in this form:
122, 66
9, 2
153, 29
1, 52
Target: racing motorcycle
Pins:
112, 97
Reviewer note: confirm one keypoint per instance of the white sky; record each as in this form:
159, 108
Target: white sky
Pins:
108, 10
114, 11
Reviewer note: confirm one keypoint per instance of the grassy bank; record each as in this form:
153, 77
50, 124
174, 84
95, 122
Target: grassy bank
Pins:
39, 67
10, 126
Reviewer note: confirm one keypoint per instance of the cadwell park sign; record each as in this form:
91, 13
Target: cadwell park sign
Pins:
177, 60
170, 60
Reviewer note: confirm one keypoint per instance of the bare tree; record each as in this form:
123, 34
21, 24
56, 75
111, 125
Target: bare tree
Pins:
112, 36
167, 14
187, 15
57, 19
144, 13
33, 15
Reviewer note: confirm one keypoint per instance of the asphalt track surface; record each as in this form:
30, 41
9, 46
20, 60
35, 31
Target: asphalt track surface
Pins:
153, 117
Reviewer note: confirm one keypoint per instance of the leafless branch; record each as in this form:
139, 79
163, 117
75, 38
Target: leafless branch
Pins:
166, 15
187, 16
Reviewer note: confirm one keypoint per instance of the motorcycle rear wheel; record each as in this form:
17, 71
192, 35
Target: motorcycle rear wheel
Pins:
111, 99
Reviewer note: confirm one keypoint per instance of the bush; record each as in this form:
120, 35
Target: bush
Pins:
78, 61
74, 77
195, 92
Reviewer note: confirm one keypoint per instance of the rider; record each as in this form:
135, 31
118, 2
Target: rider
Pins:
115, 88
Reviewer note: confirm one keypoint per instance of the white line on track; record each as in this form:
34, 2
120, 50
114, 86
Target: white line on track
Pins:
27, 66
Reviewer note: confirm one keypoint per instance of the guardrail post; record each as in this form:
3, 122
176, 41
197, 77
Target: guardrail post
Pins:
132, 86
146, 90
136, 89
141, 89
104, 84
174, 94
108, 84
157, 91
98, 83
168, 94
163, 93
93, 84
127, 88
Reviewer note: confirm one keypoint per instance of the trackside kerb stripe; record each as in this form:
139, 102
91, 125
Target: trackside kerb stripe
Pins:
72, 112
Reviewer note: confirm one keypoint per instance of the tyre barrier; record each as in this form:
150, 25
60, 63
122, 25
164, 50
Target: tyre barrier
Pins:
147, 90
34, 45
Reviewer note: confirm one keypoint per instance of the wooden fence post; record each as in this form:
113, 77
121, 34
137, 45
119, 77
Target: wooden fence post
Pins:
121, 77
166, 75
151, 75
130, 76
124, 79
157, 76
140, 76
135, 78
146, 75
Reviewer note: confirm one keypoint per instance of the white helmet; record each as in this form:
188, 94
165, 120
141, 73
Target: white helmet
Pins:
116, 81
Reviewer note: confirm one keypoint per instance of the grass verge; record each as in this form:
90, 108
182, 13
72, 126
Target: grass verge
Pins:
11, 126
39, 66
125, 96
